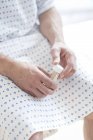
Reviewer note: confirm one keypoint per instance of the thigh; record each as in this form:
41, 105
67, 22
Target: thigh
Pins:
90, 116
37, 136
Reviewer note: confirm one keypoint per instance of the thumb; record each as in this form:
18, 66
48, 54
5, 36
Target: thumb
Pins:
55, 52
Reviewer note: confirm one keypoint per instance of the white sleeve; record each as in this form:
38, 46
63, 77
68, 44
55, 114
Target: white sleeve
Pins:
44, 5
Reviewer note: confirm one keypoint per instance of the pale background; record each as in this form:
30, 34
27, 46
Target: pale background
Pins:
77, 16
73, 11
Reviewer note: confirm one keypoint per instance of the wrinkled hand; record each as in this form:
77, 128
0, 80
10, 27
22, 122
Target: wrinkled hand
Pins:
65, 57
32, 80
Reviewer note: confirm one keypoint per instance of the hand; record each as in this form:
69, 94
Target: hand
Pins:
32, 79
65, 57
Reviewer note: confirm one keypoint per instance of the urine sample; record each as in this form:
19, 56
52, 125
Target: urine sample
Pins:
57, 69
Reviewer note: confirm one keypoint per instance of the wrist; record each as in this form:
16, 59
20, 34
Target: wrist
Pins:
59, 39
59, 44
6, 65
56, 39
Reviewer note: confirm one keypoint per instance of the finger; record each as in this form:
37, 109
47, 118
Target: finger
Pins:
30, 92
45, 90
49, 83
55, 52
66, 71
69, 74
37, 93
45, 72
63, 62
71, 60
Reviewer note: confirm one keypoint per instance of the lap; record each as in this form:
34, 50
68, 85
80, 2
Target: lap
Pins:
72, 100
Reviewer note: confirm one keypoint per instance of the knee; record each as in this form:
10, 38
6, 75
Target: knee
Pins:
89, 117
37, 136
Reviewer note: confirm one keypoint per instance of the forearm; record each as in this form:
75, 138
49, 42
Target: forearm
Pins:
6, 65
51, 26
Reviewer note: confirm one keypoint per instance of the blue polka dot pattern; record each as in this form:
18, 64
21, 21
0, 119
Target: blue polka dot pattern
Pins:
19, 17
21, 114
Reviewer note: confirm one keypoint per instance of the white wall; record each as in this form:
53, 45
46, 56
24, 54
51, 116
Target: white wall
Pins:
75, 10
